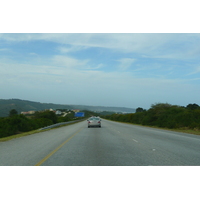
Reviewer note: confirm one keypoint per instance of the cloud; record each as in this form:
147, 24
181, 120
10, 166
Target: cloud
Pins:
73, 85
149, 45
69, 62
33, 54
96, 67
126, 69
125, 63
59, 69
4, 49
195, 71
70, 49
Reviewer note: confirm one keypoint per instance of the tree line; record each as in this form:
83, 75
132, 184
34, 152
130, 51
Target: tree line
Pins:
163, 115
17, 123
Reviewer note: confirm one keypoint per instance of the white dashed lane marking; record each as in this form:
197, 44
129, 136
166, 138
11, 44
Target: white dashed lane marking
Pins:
135, 140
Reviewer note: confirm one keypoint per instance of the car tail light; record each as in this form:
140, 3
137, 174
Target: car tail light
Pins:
98, 121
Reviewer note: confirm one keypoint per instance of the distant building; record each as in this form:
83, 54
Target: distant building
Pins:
28, 112
58, 112
24, 113
76, 110
31, 112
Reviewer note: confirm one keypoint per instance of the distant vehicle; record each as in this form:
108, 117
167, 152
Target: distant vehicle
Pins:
94, 121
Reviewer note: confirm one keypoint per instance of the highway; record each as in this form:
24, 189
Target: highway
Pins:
114, 144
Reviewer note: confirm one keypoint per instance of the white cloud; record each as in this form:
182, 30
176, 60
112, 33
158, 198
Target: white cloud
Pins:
4, 49
195, 71
71, 76
65, 50
88, 67
157, 45
73, 85
69, 62
33, 54
125, 63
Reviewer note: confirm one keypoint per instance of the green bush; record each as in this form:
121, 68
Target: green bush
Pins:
15, 123
19, 123
164, 115
47, 115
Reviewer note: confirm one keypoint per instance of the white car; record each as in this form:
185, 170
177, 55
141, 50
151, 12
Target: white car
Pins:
94, 121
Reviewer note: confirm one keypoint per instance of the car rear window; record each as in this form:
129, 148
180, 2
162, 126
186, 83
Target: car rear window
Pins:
94, 118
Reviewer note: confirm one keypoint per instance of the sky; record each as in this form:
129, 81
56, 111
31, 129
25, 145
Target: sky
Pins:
101, 69
110, 53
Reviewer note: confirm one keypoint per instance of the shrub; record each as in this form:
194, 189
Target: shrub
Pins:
163, 115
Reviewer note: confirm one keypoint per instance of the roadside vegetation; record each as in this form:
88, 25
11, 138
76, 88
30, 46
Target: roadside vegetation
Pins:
164, 115
16, 124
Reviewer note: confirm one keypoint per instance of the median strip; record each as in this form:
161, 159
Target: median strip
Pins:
54, 151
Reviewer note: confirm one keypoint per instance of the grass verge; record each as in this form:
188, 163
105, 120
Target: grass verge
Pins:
30, 133
182, 130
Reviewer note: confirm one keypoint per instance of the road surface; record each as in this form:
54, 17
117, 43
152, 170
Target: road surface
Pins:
114, 144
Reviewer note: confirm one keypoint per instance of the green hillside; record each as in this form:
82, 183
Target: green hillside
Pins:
23, 106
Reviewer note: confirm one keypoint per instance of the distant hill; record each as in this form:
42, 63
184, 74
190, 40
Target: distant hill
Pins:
23, 105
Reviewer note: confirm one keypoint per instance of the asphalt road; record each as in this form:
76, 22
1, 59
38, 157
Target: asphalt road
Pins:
114, 144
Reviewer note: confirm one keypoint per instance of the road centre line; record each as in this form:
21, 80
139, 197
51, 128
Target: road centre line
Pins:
55, 150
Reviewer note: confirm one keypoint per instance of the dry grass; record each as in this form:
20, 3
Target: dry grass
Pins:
21, 135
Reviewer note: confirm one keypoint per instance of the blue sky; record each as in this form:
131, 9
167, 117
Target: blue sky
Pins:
114, 69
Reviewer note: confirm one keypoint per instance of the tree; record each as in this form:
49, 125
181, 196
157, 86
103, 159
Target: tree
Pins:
192, 106
13, 112
139, 110
47, 114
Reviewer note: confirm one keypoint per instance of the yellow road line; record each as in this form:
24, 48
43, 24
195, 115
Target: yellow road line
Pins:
54, 151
